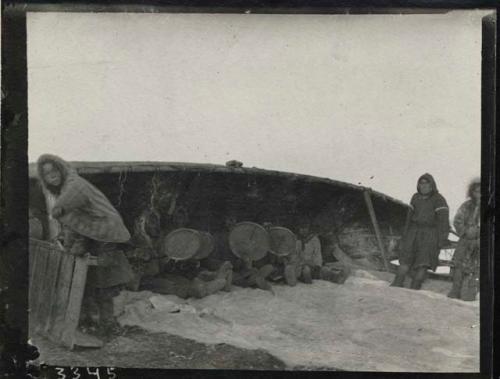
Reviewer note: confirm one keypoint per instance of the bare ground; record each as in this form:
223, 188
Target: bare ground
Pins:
361, 325
139, 348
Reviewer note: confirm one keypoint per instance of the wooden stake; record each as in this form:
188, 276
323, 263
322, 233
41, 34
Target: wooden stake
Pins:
378, 234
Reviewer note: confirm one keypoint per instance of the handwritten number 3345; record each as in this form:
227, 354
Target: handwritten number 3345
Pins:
90, 372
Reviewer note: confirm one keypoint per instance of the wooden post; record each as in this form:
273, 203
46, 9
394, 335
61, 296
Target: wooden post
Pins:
378, 234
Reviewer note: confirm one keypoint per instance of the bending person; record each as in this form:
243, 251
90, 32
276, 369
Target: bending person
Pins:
89, 224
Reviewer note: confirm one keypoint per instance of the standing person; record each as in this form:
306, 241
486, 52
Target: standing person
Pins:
465, 262
89, 224
426, 233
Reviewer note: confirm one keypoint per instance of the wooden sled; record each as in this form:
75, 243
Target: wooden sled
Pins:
57, 285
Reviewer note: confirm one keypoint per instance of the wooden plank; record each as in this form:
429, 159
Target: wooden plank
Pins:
378, 234
53, 272
31, 299
38, 276
38, 252
45, 282
65, 276
34, 252
75, 302
33, 264
37, 256
32, 261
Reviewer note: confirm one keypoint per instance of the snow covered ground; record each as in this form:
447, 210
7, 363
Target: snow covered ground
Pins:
361, 325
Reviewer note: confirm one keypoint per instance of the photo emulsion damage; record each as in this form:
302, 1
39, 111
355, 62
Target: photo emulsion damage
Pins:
255, 191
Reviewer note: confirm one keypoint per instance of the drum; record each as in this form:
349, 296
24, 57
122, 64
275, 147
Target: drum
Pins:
181, 244
282, 241
207, 246
249, 240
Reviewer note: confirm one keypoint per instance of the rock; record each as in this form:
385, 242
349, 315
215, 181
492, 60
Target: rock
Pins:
207, 312
138, 310
127, 297
363, 274
161, 303
187, 308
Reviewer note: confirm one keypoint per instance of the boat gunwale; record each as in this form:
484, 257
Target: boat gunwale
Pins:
114, 167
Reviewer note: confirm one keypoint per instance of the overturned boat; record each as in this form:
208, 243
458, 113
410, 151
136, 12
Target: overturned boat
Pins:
355, 224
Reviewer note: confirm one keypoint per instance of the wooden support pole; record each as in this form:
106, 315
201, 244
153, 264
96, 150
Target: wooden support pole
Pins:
378, 234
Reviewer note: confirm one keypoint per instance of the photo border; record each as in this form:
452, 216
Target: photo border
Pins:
14, 171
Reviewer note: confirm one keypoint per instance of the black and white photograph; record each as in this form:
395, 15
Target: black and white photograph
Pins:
255, 191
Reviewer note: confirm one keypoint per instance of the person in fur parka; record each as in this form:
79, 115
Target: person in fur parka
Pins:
465, 261
88, 223
426, 233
